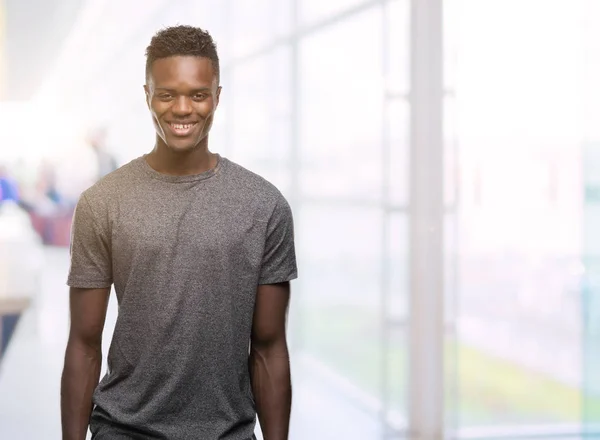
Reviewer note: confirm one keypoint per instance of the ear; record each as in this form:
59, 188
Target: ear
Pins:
147, 93
218, 95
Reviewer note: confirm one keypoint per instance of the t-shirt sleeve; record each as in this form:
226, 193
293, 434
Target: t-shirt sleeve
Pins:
91, 265
279, 258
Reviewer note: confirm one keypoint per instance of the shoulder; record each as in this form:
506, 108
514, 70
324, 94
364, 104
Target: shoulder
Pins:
253, 186
108, 188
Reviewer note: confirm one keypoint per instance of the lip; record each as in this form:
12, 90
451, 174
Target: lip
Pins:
182, 129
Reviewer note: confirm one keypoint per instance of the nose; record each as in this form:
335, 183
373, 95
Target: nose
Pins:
182, 106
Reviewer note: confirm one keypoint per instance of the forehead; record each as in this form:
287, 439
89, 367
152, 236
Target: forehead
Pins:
182, 71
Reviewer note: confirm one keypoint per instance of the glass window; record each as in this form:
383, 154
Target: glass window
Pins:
399, 265
398, 132
256, 23
340, 250
591, 68
341, 109
395, 354
260, 109
451, 31
589, 274
314, 10
518, 347
451, 343
397, 16
450, 153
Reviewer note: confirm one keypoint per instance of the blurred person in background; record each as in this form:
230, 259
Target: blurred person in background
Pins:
201, 253
9, 190
106, 162
45, 203
46, 184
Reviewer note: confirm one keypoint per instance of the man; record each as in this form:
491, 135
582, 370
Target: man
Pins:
200, 252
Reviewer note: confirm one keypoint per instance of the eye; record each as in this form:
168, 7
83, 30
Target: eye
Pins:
199, 97
165, 96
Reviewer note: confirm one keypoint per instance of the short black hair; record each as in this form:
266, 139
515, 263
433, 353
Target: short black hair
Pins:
184, 41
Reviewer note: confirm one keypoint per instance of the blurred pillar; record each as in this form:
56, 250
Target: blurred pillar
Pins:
426, 357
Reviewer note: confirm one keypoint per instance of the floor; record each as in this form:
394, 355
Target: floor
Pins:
30, 376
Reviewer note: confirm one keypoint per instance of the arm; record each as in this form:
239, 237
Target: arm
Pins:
269, 361
83, 360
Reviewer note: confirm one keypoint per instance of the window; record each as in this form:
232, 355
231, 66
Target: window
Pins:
341, 109
518, 347
314, 10
256, 23
340, 250
397, 16
260, 107
352, 250
398, 120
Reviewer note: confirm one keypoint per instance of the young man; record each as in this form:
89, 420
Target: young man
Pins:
200, 252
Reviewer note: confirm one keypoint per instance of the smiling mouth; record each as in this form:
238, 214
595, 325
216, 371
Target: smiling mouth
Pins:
182, 129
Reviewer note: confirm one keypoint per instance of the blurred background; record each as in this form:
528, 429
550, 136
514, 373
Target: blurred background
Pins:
442, 159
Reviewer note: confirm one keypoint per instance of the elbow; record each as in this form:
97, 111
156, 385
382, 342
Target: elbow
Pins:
269, 347
89, 347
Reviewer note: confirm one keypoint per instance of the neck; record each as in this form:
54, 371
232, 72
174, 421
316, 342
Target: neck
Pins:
181, 163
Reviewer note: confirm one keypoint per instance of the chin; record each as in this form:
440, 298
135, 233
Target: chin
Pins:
182, 146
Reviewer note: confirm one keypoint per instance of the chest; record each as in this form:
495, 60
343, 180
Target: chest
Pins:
196, 226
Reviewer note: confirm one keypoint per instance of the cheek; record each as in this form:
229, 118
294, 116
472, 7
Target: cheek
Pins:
158, 108
206, 108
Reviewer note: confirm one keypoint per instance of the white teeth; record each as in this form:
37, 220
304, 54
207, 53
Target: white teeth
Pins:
181, 126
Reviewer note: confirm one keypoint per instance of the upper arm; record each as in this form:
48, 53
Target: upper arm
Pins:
279, 257
90, 273
88, 313
270, 314
91, 259
277, 269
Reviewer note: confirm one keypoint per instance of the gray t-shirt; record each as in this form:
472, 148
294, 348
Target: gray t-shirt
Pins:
186, 255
